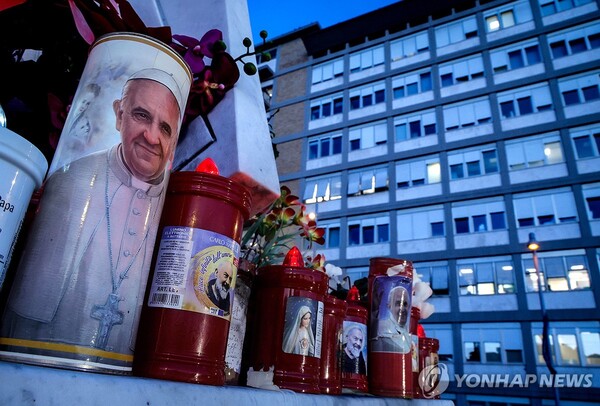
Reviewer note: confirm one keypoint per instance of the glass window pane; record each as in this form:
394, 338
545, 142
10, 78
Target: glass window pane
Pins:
590, 93
553, 152
457, 171
591, 347
338, 104
583, 145
472, 352
507, 109
508, 19
415, 129
412, 89
594, 206
337, 145
498, 220
333, 237
383, 233
568, 349
479, 223
447, 80
473, 168
490, 161
577, 45
525, 106
368, 234
326, 109
571, 97
401, 132
533, 55
325, 147
354, 234
559, 49
514, 356
426, 82
313, 149
492, 352
538, 346
516, 59
437, 229
462, 225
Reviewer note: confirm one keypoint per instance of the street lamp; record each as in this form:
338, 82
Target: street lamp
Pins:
533, 246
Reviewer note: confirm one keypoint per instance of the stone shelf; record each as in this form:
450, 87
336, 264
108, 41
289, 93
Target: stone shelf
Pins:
22, 384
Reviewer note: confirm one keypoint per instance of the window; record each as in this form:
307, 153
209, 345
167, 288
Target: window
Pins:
367, 181
328, 71
436, 275
411, 84
417, 173
410, 46
524, 101
367, 95
486, 276
472, 353
578, 343
536, 208
506, 17
492, 352
586, 142
323, 146
550, 7
332, 237
557, 273
323, 189
469, 114
581, 89
415, 126
533, 152
368, 231
591, 347
368, 136
461, 71
416, 224
366, 59
456, 32
473, 163
326, 107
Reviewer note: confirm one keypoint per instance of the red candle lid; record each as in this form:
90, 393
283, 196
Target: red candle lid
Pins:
353, 294
208, 166
294, 258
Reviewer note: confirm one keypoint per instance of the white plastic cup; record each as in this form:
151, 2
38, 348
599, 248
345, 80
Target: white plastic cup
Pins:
22, 170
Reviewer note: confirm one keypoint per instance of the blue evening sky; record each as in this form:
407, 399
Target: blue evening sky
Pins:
283, 16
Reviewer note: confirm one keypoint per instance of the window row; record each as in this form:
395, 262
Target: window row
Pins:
464, 34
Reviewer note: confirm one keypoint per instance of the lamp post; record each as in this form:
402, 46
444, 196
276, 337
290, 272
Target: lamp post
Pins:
533, 246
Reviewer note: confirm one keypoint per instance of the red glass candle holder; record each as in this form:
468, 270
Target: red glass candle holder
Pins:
390, 360
282, 296
183, 331
354, 366
330, 381
428, 359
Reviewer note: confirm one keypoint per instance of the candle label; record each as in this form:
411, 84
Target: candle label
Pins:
303, 326
390, 315
354, 348
195, 271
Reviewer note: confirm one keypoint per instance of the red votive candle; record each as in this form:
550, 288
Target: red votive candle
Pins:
187, 309
330, 380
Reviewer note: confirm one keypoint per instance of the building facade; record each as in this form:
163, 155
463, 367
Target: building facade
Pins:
445, 133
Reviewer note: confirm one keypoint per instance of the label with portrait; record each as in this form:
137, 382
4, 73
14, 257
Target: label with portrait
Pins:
195, 271
354, 348
303, 327
390, 315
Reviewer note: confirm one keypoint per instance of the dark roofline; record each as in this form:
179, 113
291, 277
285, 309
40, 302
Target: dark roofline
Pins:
300, 32
394, 17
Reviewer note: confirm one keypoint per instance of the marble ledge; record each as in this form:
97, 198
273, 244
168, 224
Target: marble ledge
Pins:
22, 384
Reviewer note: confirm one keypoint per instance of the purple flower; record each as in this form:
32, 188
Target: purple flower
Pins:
197, 50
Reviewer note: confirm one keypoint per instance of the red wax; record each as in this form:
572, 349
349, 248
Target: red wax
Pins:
185, 345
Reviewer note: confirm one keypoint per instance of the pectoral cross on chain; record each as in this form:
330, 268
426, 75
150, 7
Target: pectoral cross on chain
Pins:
109, 315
